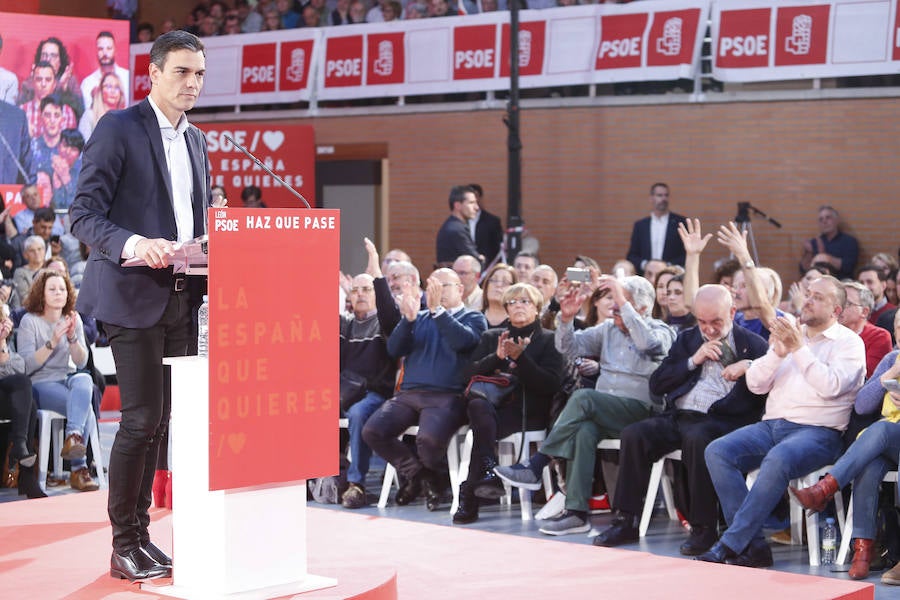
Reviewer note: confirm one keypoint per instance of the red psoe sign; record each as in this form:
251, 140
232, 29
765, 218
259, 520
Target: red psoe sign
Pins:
801, 35
744, 38
532, 41
274, 350
621, 41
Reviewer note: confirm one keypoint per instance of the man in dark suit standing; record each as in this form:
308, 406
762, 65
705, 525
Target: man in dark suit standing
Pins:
702, 380
486, 228
656, 236
144, 186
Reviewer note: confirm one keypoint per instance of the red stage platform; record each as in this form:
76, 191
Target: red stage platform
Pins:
59, 547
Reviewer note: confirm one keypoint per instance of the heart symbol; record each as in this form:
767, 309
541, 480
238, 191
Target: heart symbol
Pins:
273, 139
236, 442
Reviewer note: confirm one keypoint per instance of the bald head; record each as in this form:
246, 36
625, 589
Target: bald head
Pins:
714, 310
451, 287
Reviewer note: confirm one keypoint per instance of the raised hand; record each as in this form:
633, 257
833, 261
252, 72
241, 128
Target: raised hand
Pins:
693, 239
735, 240
373, 267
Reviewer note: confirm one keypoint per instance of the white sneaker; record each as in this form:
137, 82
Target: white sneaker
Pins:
555, 505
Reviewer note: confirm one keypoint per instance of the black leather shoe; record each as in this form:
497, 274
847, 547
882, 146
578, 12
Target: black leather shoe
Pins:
701, 539
28, 483
468, 506
757, 555
135, 565
490, 487
158, 555
432, 492
719, 553
622, 531
409, 491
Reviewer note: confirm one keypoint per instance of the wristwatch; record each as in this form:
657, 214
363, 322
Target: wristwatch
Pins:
749, 264
48, 345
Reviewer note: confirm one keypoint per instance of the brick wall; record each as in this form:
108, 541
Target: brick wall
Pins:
586, 171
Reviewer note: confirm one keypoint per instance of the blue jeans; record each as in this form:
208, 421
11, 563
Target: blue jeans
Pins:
70, 397
360, 453
865, 463
782, 451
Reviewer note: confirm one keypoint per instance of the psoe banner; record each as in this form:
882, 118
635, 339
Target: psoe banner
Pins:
652, 40
267, 67
273, 356
288, 150
768, 40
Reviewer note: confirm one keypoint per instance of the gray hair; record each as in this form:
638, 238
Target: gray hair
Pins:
34, 240
403, 267
866, 298
642, 293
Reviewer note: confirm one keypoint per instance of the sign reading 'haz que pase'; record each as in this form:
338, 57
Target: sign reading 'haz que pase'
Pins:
273, 356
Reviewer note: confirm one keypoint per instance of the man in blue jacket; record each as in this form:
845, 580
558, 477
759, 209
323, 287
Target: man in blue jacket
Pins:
435, 344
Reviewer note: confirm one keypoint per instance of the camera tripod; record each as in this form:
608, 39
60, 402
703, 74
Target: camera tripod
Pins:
743, 222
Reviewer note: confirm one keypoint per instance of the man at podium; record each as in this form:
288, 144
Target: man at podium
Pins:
144, 186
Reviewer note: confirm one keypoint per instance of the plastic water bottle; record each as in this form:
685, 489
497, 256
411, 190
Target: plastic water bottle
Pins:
829, 542
203, 328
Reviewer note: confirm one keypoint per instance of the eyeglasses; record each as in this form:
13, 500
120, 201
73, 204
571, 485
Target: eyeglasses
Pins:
503, 282
522, 301
365, 289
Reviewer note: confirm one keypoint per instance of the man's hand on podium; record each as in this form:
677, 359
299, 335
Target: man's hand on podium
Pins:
154, 252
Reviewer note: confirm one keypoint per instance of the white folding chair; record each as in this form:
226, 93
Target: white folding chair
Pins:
51, 427
847, 530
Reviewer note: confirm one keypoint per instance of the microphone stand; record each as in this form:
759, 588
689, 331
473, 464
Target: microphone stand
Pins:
261, 165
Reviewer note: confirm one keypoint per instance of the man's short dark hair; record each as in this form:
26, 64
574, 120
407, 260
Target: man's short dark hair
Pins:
172, 41
251, 190
45, 215
458, 194
72, 139
479, 191
882, 276
530, 255
108, 34
41, 64
51, 99
658, 184
145, 26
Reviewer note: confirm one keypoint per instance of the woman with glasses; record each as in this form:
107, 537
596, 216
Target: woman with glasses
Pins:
523, 349
494, 284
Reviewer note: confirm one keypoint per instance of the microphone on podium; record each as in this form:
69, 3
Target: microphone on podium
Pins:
261, 165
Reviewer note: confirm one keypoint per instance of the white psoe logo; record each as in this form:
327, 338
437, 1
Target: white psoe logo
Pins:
801, 35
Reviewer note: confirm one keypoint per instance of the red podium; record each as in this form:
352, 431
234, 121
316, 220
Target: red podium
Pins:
257, 418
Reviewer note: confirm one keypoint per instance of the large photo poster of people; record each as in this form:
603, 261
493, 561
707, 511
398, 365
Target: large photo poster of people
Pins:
58, 77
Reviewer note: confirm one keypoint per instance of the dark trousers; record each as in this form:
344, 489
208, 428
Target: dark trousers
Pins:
146, 404
438, 414
17, 405
645, 442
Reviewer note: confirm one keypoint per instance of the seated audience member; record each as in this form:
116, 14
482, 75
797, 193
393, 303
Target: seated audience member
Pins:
271, 19
24, 219
811, 373
495, 283
435, 344
527, 352
725, 270
17, 405
453, 238
680, 317
251, 197
34, 254
865, 464
469, 270
415, 10
702, 380
251, 20
145, 33
652, 269
43, 84
402, 278
832, 246
66, 168
109, 95
660, 284
42, 225
854, 317
890, 292
358, 12
544, 278
51, 340
525, 263
364, 352
393, 256
876, 280
392, 11
631, 346
885, 262
341, 13
798, 289
627, 269
601, 308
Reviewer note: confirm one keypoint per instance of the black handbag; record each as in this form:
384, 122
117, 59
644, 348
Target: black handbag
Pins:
498, 389
353, 388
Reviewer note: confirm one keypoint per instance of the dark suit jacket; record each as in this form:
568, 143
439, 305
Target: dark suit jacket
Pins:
673, 379
488, 235
125, 189
14, 129
640, 249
